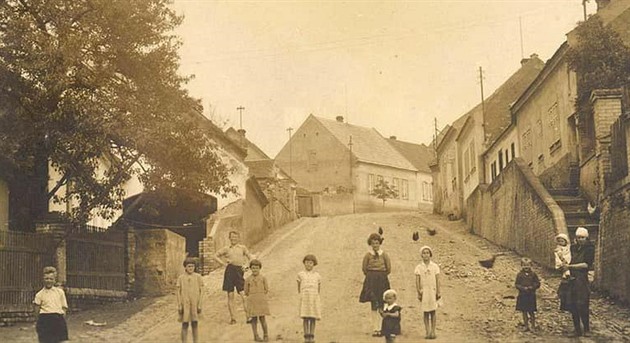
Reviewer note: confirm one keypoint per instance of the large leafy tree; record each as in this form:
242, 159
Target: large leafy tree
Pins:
84, 82
600, 59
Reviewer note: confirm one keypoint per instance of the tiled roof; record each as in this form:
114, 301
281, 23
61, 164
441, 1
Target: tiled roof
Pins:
253, 151
419, 155
261, 168
367, 144
497, 106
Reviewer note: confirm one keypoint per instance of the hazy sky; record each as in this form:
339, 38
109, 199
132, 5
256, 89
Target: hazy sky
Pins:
391, 65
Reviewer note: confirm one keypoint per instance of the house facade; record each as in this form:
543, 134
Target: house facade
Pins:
343, 162
460, 165
420, 156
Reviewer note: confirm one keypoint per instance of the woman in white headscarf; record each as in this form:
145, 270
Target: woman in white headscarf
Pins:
582, 258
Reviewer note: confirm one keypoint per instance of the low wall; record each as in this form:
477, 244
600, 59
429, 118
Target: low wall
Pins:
336, 204
158, 261
614, 244
558, 175
518, 213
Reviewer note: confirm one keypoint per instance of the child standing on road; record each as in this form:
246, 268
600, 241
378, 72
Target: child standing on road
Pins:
309, 287
50, 308
234, 258
428, 287
391, 316
527, 283
256, 289
189, 296
376, 268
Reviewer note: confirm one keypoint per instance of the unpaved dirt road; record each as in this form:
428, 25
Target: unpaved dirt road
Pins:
479, 303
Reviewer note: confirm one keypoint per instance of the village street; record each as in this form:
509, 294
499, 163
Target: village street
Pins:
479, 303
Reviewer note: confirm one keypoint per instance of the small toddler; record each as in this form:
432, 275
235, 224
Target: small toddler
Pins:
563, 254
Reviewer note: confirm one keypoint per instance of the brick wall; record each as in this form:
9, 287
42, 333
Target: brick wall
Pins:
158, 261
614, 244
517, 212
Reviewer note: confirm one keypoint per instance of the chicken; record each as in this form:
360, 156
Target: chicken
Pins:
380, 230
431, 231
488, 263
415, 236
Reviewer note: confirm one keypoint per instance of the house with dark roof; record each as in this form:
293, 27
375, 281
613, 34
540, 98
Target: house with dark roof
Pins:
276, 184
343, 163
459, 166
420, 156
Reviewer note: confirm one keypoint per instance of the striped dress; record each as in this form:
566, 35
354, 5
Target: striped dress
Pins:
310, 303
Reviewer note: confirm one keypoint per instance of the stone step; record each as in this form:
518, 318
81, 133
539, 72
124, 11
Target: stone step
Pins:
571, 203
580, 219
563, 191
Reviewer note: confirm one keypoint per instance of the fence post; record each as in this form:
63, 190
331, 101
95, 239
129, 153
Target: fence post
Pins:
130, 259
58, 230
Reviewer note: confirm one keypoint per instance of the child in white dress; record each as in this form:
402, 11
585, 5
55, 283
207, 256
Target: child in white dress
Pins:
309, 286
428, 287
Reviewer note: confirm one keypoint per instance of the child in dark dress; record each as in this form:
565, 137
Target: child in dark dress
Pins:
527, 283
390, 312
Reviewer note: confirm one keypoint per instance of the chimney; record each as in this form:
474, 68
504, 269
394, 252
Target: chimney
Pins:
392, 138
242, 132
531, 57
601, 4
339, 119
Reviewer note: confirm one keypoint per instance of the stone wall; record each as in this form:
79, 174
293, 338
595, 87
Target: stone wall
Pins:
557, 175
614, 244
518, 213
158, 261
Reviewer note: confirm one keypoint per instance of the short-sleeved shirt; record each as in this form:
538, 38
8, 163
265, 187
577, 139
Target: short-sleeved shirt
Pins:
234, 254
51, 300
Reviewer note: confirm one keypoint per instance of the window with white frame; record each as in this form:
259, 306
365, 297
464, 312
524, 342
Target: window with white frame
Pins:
370, 183
396, 185
404, 189
554, 123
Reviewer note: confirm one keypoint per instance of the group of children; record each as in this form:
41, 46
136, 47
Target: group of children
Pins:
570, 290
386, 313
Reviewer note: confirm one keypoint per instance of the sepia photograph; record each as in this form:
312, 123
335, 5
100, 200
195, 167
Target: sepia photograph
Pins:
305, 171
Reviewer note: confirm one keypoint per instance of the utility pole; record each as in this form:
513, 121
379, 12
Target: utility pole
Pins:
240, 110
520, 25
483, 105
290, 153
435, 135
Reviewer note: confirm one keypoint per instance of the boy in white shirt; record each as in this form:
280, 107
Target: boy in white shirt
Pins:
50, 308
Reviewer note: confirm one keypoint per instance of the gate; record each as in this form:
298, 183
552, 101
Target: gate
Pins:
96, 260
305, 206
23, 256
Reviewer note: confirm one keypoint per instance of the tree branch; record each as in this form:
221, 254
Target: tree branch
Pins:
60, 183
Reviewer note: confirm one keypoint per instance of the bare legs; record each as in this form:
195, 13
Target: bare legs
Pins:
195, 332
231, 305
430, 319
263, 324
